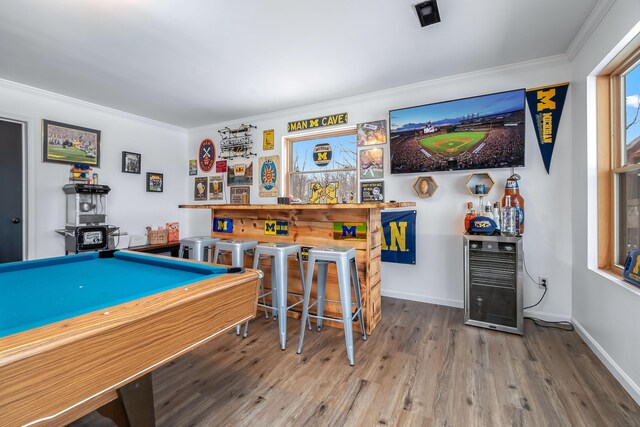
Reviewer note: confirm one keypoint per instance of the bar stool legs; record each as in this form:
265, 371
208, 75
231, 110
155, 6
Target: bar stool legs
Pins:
347, 269
323, 268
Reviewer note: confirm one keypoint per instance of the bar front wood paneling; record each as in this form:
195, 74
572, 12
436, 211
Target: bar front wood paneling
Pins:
312, 225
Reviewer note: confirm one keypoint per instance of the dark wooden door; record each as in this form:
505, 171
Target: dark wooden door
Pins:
11, 182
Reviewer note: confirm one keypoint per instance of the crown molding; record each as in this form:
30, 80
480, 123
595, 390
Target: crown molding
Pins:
30, 90
517, 67
597, 14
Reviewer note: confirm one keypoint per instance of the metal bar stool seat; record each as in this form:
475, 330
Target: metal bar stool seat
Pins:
197, 247
279, 253
345, 259
237, 248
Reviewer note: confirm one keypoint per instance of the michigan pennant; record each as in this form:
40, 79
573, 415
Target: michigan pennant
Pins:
545, 105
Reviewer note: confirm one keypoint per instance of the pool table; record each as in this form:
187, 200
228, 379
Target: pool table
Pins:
83, 331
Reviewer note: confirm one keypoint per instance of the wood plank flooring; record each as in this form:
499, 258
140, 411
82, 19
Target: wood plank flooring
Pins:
421, 367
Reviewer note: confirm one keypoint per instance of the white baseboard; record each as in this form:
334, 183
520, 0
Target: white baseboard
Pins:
550, 317
422, 298
629, 385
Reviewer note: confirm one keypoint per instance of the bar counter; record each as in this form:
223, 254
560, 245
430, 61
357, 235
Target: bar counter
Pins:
313, 225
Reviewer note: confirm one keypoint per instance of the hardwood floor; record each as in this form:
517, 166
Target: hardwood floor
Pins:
421, 367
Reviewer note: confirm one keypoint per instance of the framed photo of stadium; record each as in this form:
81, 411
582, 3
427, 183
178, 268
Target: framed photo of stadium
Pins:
479, 132
64, 143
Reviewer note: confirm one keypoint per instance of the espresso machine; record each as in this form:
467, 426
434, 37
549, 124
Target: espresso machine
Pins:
86, 226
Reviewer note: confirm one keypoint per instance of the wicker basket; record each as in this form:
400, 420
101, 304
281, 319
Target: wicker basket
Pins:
157, 237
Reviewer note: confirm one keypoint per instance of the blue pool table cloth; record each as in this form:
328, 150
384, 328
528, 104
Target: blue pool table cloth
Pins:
39, 292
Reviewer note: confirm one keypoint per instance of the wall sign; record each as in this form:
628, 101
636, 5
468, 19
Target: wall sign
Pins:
305, 252
223, 225
200, 189
240, 174
207, 155
318, 122
267, 139
268, 167
274, 227
545, 106
322, 154
399, 237
350, 231
371, 191
236, 142
221, 166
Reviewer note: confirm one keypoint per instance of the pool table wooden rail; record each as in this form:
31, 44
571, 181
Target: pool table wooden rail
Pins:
74, 366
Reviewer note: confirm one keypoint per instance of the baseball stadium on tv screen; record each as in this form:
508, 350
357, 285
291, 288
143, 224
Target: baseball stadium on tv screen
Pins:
480, 132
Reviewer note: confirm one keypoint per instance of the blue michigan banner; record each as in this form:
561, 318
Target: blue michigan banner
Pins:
545, 105
399, 237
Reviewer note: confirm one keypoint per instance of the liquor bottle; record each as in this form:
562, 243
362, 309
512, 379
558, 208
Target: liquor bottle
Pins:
496, 214
508, 218
519, 217
513, 189
471, 213
487, 211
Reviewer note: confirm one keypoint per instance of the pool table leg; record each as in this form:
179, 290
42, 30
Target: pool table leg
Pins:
134, 405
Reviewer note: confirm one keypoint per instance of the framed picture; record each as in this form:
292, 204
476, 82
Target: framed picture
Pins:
131, 162
240, 174
155, 182
64, 143
372, 133
240, 195
216, 188
372, 191
200, 188
371, 163
193, 167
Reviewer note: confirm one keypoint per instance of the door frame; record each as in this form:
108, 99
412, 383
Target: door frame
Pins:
28, 178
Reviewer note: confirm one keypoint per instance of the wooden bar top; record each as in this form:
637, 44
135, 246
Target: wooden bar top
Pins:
301, 206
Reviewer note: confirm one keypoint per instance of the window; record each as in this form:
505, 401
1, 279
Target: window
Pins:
322, 167
618, 92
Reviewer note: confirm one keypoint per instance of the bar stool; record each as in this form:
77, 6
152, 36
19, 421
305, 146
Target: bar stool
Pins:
345, 259
197, 246
279, 253
237, 248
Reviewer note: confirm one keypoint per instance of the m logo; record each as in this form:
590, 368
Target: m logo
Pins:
545, 100
349, 231
273, 227
223, 225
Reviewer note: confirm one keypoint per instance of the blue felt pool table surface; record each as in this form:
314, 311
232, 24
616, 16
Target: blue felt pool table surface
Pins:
39, 292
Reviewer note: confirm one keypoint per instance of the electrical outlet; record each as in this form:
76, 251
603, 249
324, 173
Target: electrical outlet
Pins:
543, 281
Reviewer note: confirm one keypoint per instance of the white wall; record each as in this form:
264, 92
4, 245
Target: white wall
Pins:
438, 275
605, 310
163, 149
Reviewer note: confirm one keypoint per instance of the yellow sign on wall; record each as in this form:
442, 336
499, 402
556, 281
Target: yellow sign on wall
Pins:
267, 139
318, 122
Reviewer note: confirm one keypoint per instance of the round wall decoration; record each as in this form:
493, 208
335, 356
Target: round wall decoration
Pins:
207, 155
322, 154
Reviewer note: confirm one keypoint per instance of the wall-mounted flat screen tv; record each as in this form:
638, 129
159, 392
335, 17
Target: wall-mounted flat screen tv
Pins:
481, 132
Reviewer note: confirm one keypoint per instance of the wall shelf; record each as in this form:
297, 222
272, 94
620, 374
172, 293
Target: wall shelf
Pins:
478, 179
425, 190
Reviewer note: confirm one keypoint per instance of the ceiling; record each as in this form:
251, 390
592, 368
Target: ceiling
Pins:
198, 62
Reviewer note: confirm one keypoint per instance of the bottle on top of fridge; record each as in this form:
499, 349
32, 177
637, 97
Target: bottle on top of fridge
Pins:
487, 211
512, 188
509, 225
471, 213
496, 214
